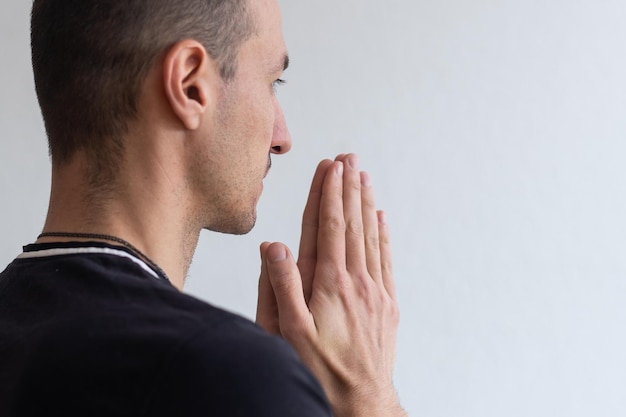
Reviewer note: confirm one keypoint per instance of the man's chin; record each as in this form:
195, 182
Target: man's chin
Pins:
235, 226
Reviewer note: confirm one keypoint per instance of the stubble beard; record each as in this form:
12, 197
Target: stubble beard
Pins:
232, 213
239, 223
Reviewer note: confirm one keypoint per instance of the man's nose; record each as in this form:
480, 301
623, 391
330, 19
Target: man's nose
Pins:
281, 139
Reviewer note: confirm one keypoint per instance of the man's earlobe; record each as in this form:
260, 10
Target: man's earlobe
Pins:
188, 73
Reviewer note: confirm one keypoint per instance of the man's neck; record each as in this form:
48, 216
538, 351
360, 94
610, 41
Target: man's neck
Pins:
142, 210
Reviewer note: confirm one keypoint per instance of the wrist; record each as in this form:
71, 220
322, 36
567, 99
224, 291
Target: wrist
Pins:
382, 404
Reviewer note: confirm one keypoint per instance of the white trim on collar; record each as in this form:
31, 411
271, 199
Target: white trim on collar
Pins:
87, 250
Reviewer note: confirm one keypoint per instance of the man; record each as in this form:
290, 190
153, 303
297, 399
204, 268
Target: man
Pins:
161, 118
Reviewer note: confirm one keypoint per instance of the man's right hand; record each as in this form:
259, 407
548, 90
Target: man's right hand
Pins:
337, 305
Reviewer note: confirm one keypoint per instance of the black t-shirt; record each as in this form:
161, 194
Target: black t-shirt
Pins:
90, 330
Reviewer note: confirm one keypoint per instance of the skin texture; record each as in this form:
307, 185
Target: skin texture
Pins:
227, 170
195, 158
337, 304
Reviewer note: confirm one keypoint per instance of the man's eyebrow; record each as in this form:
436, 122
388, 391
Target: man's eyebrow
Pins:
282, 66
286, 62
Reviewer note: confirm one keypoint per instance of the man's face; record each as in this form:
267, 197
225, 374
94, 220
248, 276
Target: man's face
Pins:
249, 125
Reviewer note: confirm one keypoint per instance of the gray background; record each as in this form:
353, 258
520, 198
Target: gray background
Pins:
494, 132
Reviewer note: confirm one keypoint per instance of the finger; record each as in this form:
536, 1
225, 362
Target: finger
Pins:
331, 248
385, 255
307, 254
295, 319
370, 228
267, 308
355, 244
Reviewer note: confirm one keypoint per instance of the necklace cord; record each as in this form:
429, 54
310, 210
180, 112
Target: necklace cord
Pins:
111, 238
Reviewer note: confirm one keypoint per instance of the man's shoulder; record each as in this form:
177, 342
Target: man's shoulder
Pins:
238, 371
201, 357
101, 297
130, 340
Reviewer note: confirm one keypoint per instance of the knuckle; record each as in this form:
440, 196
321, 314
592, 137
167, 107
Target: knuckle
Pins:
354, 186
355, 227
310, 223
393, 311
294, 329
341, 283
335, 278
333, 192
366, 291
364, 288
282, 282
372, 242
368, 203
334, 224
387, 268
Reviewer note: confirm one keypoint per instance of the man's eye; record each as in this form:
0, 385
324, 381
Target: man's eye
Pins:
277, 83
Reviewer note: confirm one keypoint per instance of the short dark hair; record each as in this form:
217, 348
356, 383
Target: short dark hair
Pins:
91, 57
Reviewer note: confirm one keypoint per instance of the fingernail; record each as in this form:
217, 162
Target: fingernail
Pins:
365, 179
261, 249
382, 217
353, 161
276, 253
340, 169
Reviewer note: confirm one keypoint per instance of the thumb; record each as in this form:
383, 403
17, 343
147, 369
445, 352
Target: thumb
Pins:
295, 319
267, 309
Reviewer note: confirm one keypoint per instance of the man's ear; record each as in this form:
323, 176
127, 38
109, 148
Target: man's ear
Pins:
189, 75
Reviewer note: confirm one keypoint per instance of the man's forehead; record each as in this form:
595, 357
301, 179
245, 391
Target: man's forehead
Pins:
267, 43
267, 15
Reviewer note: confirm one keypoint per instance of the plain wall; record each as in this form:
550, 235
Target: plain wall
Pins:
495, 135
